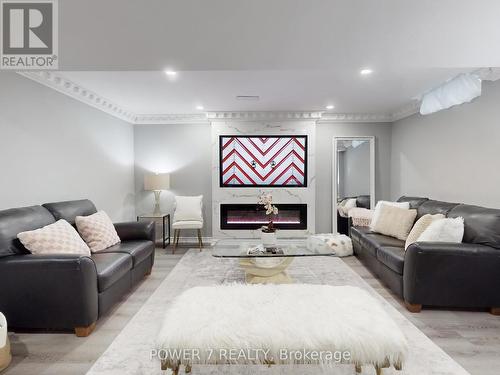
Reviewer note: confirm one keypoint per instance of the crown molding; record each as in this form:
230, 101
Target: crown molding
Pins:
171, 119
65, 86
75, 91
328, 117
264, 116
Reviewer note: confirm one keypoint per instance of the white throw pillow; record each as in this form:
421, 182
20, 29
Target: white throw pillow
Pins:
444, 230
188, 208
394, 221
420, 226
57, 238
378, 207
97, 230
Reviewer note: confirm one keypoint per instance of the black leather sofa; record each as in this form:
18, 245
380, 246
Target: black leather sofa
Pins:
343, 223
67, 292
465, 275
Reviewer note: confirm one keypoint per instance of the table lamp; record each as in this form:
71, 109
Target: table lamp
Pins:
156, 182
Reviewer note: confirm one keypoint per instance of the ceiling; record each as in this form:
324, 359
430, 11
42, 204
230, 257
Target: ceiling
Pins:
148, 92
203, 35
296, 55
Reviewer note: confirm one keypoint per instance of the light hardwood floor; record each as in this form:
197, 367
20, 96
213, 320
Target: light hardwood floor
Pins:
471, 338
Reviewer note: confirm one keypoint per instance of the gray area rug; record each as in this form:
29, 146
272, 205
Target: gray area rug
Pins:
130, 352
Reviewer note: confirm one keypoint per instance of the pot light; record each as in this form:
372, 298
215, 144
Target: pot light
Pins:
170, 73
330, 106
366, 71
200, 107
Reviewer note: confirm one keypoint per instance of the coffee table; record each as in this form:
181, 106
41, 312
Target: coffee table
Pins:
267, 267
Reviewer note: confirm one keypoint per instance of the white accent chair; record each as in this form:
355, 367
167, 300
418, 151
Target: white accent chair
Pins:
187, 215
5, 356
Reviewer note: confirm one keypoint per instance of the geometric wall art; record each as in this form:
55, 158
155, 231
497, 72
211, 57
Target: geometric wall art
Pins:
258, 161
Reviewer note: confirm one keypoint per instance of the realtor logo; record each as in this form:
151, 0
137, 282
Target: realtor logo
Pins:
29, 35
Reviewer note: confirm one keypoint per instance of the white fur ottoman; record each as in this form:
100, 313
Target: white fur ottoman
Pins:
269, 324
338, 243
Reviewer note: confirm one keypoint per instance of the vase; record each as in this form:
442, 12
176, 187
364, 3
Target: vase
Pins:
268, 239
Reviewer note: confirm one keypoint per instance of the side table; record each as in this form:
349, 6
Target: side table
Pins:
165, 218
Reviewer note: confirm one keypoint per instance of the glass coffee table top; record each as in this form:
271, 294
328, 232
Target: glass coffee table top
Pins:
253, 249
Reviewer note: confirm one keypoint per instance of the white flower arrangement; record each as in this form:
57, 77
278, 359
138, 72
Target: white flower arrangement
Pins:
266, 199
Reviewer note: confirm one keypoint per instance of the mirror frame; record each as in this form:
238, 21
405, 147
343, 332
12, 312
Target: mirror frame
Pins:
371, 139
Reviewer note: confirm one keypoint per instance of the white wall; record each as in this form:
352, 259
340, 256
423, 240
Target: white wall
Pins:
324, 149
451, 155
184, 151
54, 148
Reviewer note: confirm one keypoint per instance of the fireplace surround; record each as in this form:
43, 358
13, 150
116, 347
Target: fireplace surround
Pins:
253, 216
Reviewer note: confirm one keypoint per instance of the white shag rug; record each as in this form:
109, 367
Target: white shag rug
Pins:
275, 321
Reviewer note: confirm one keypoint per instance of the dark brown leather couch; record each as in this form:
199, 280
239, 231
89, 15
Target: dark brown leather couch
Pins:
67, 292
465, 275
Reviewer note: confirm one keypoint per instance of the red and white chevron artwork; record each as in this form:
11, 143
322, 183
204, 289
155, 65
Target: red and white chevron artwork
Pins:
263, 161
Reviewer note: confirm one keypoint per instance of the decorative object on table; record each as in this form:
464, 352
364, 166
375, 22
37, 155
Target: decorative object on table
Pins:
263, 266
188, 214
338, 244
344, 318
156, 182
268, 232
5, 356
165, 221
361, 217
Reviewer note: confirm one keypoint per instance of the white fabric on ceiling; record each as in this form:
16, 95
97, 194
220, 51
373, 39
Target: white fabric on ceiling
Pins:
459, 90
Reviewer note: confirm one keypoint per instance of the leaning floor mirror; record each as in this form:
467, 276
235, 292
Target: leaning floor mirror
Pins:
353, 180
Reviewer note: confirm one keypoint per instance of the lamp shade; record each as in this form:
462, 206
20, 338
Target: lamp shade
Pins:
156, 181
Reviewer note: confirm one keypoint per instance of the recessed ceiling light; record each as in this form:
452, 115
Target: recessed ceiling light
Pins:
200, 107
170, 73
365, 72
330, 106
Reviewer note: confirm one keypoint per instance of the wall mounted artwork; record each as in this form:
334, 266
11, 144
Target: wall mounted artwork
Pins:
258, 161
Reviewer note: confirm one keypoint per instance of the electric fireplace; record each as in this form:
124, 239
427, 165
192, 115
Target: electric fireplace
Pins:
253, 216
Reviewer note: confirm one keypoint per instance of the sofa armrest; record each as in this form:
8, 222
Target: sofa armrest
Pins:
136, 230
48, 291
451, 274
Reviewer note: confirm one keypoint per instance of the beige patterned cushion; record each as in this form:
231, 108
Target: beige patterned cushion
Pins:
97, 230
57, 238
394, 221
420, 226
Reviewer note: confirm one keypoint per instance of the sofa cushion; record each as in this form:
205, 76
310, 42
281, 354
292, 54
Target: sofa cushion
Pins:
16, 220
420, 226
414, 201
394, 221
392, 257
482, 225
139, 250
57, 238
97, 230
358, 232
372, 241
434, 207
69, 210
111, 267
